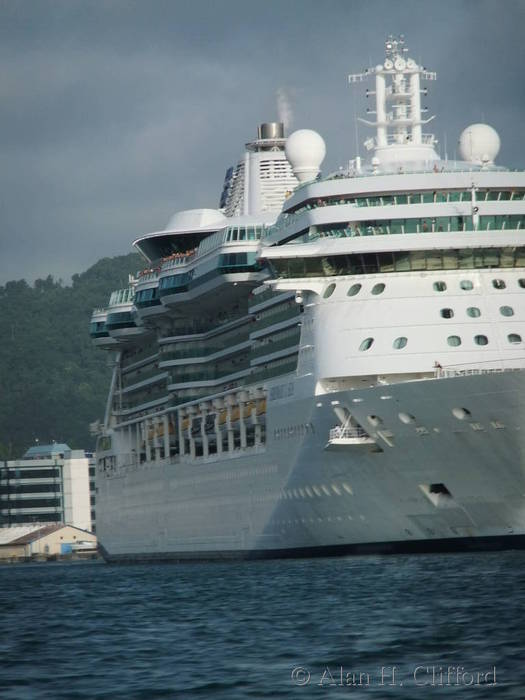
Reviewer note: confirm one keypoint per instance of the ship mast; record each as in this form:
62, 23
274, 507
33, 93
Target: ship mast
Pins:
399, 136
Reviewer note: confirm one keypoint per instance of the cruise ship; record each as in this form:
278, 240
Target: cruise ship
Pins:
327, 363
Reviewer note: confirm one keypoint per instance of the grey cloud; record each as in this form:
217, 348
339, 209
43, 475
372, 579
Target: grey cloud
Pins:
116, 114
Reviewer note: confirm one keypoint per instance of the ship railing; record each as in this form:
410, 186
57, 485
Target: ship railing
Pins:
182, 260
443, 373
340, 432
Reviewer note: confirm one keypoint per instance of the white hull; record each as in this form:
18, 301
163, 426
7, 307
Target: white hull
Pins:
263, 502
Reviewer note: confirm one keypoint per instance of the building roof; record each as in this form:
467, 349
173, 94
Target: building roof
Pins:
25, 534
43, 451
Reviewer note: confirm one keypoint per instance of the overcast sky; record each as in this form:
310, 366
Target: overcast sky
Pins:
115, 114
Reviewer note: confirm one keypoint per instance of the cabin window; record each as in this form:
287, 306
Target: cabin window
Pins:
498, 284
354, 289
329, 290
378, 288
466, 284
439, 286
473, 312
506, 310
400, 343
514, 338
481, 340
366, 344
454, 340
447, 313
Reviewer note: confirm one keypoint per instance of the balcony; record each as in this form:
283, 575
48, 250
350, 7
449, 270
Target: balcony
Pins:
340, 437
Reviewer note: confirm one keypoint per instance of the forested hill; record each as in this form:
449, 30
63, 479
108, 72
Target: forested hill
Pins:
53, 382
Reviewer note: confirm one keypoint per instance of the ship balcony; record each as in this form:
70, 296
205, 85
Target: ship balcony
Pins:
98, 329
239, 262
121, 323
348, 437
174, 284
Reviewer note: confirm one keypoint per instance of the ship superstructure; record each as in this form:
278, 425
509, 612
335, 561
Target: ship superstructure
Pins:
343, 376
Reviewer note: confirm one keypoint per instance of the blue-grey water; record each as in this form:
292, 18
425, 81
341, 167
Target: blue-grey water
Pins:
451, 625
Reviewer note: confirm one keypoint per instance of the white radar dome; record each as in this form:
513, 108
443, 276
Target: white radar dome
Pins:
305, 150
479, 143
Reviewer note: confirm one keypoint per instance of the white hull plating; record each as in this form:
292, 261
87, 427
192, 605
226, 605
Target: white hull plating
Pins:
294, 495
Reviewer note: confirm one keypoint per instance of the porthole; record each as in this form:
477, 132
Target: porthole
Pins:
447, 313
461, 413
439, 286
498, 284
400, 343
378, 288
406, 418
454, 340
521, 282
329, 290
473, 312
506, 310
514, 338
481, 340
466, 284
366, 344
354, 289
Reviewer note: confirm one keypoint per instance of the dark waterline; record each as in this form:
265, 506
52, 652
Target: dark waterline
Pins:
257, 629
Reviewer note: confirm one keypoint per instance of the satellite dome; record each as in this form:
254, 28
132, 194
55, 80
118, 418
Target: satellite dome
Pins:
479, 143
305, 150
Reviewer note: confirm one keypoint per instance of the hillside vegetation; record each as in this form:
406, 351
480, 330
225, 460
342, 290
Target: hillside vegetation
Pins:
53, 382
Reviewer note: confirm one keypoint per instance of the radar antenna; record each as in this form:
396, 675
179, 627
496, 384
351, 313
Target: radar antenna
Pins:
398, 109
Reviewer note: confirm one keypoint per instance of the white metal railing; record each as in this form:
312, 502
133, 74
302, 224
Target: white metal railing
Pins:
442, 373
340, 432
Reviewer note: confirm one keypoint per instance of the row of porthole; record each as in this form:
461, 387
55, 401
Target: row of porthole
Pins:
378, 288
441, 286
474, 312
408, 418
453, 340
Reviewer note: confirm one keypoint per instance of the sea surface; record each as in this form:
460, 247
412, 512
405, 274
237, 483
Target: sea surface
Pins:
359, 627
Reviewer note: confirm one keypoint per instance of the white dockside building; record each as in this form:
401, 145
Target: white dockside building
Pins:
50, 484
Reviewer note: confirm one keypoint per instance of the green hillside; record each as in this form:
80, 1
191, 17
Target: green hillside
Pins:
53, 382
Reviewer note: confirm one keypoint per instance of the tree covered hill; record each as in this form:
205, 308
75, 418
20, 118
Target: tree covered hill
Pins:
53, 382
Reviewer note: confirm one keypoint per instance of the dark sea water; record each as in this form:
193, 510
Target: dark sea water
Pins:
329, 628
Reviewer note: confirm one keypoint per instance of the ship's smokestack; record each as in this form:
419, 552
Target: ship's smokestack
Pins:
271, 130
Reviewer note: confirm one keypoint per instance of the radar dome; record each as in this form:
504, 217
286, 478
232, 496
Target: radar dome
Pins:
305, 150
479, 143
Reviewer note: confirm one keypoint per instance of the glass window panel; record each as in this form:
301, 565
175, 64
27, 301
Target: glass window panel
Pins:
447, 313
400, 343
481, 340
354, 289
519, 257
385, 262
366, 344
491, 258
498, 284
439, 286
418, 260
329, 290
403, 262
450, 259
378, 288
454, 340
434, 260
514, 338
473, 312
506, 310
506, 257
